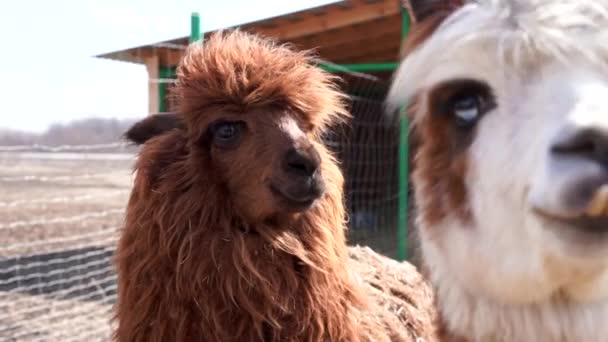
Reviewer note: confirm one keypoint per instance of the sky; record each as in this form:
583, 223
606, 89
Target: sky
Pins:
49, 73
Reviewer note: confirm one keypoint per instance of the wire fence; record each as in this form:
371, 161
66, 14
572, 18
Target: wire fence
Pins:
368, 150
62, 208
59, 221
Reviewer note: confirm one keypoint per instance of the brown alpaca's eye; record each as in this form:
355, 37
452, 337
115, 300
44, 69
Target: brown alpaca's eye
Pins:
226, 134
465, 101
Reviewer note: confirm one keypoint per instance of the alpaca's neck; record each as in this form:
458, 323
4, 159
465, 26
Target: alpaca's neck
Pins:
285, 285
468, 317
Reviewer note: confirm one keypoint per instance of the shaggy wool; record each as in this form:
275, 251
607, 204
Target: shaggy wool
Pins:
198, 260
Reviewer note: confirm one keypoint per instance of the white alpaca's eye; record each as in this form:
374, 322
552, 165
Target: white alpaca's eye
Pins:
462, 101
466, 109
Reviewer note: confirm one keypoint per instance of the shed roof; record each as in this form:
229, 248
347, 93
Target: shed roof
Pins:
349, 31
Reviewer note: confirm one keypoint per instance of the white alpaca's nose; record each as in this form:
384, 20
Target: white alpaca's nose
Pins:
581, 152
573, 185
589, 144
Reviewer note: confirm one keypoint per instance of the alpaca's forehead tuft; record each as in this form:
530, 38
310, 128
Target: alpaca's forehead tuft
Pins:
513, 34
236, 69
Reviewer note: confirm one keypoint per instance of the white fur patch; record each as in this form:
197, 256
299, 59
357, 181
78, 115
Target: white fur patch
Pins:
289, 126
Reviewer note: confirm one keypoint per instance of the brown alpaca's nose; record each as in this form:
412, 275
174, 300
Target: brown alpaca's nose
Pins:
302, 162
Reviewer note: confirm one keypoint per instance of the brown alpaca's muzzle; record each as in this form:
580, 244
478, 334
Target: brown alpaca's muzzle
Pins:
301, 182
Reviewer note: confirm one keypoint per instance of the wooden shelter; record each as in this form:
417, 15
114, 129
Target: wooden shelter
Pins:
360, 35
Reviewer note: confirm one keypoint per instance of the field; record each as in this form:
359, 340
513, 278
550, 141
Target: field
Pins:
59, 218
59, 214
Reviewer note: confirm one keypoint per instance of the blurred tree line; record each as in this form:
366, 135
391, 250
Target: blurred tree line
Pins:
78, 132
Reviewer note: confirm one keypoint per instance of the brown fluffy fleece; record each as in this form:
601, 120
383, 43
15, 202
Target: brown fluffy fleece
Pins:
196, 262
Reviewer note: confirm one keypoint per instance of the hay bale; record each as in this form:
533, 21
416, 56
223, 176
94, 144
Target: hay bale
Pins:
399, 293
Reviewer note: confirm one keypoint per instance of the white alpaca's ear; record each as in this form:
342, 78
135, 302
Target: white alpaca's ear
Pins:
426, 16
422, 9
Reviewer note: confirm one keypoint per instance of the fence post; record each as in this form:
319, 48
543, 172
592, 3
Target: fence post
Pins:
164, 73
403, 163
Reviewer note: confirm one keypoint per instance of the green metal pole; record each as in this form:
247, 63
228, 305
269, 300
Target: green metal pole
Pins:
170, 72
163, 73
403, 164
362, 67
195, 27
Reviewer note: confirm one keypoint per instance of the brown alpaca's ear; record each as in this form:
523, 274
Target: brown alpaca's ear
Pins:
152, 126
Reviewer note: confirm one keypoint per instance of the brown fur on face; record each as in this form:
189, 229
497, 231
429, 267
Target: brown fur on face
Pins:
196, 261
265, 85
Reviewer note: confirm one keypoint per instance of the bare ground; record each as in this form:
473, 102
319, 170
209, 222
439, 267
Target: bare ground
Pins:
58, 224
59, 219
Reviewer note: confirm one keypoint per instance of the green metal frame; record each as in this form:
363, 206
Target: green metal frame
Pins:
387, 66
402, 214
170, 72
163, 73
403, 164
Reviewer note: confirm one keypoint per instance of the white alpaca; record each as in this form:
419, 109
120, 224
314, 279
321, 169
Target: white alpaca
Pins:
511, 101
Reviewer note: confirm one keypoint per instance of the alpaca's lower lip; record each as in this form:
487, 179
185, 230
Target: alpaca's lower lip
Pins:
294, 201
583, 223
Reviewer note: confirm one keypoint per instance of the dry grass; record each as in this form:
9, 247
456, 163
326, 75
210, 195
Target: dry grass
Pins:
397, 288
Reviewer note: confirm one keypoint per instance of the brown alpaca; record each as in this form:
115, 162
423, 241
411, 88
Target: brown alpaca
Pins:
235, 229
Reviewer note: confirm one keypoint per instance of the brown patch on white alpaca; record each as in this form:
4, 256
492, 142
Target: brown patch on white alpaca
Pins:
442, 158
441, 165
438, 168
